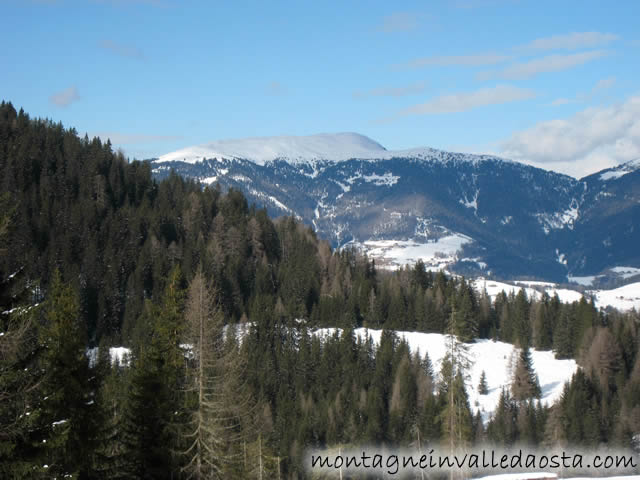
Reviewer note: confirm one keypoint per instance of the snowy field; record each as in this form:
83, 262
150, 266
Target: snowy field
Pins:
496, 359
623, 298
440, 254
436, 255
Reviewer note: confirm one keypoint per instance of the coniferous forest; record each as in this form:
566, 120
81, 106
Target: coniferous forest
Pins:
218, 304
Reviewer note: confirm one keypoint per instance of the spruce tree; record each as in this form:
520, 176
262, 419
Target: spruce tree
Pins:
525, 384
456, 416
67, 412
562, 335
147, 419
502, 429
483, 388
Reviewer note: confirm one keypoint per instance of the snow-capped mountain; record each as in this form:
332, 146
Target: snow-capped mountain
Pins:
260, 150
469, 213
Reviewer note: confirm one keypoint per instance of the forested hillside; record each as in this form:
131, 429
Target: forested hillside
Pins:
95, 253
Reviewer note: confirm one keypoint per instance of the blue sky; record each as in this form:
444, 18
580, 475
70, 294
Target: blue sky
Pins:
551, 83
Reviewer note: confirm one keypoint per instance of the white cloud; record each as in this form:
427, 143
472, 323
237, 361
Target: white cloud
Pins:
65, 97
122, 49
461, 102
391, 91
605, 83
398, 22
476, 60
583, 97
590, 140
561, 101
550, 63
572, 41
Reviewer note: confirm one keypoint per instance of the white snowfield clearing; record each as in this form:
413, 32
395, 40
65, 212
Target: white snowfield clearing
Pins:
624, 298
494, 287
496, 359
393, 254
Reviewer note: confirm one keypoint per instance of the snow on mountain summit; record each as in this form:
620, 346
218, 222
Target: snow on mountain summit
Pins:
621, 170
334, 147
295, 149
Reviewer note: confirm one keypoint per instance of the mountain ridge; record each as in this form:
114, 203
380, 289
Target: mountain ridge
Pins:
323, 147
491, 215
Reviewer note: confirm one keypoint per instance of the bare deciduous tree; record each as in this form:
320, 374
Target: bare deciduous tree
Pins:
214, 389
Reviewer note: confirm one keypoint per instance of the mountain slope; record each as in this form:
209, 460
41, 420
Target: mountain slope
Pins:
508, 219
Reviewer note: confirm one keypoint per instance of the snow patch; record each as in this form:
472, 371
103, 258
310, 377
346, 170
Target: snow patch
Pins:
345, 188
612, 174
626, 272
387, 179
494, 288
486, 355
119, 356
622, 298
271, 198
209, 180
621, 170
560, 220
585, 281
471, 203
436, 254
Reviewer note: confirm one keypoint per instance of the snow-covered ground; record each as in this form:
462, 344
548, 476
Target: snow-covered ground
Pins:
120, 356
617, 273
496, 359
623, 298
626, 272
494, 287
436, 255
621, 170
